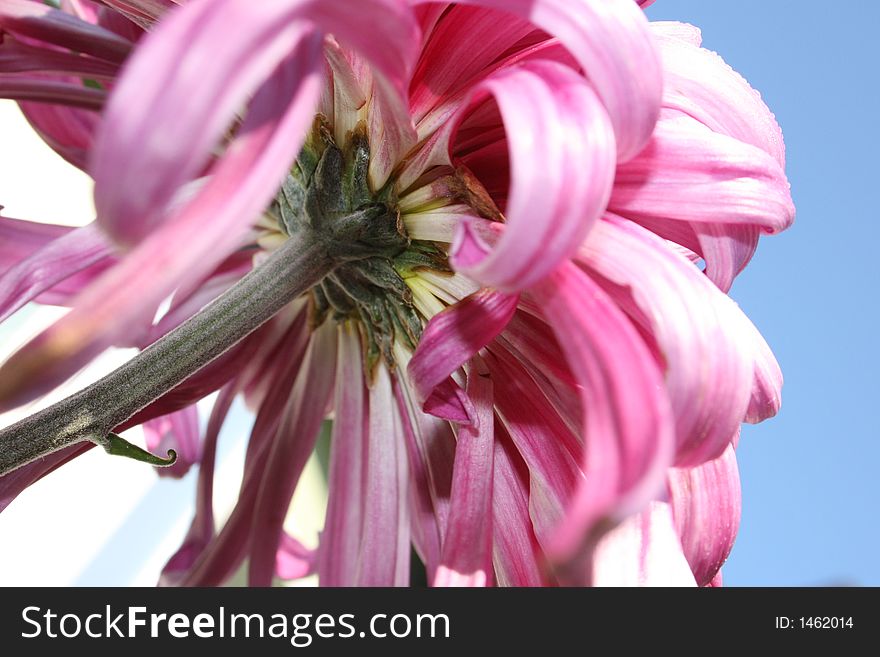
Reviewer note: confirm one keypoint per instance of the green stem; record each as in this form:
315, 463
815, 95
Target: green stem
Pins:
95, 411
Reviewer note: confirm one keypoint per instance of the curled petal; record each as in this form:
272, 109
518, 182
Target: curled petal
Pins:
293, 560
68, 131
19, 239
561, 154
613, 44
766, 397
706, 504
201, 530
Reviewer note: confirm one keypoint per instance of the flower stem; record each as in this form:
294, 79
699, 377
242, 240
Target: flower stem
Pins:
92, 414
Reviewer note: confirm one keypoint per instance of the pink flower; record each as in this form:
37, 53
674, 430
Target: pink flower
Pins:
531, 380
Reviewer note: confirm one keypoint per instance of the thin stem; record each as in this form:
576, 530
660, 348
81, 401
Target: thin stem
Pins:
95, 411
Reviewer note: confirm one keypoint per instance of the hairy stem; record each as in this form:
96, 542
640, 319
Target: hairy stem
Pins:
95, 411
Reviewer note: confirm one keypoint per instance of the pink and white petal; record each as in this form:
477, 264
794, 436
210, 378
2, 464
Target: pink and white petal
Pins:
466, 559
698, 329
689, 173
384, 558
343, 523
628, 424
201, 530
549, 448
58, 260
178, 431
700, 84
644, 550
517, 556
706, 505
291, 447
561, 159
676, 30
450, 339
612, 43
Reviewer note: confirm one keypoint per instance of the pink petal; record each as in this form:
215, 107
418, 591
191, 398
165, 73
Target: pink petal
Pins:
19, 239
766, 397
549, 448
466, 559
290, 449
612, 43
644, 550
178, 431
450, 339
385, 547
698, 330
343, 523
67, 130
700, 84
628, 424
51, 91
46, 267
561, 158
724, 188
706, 504
293, 560
463, 44
515, 547
229, 548
39, 21
430, 445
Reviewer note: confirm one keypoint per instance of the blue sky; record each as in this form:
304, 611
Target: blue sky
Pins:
810, 476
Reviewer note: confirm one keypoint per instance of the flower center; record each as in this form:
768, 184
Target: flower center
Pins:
328, 192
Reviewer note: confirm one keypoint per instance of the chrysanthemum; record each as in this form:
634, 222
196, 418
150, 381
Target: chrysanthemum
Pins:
471, 234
